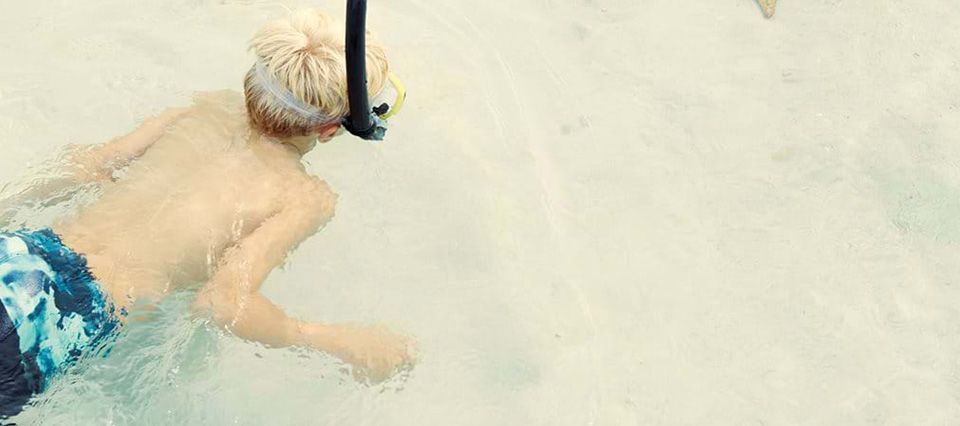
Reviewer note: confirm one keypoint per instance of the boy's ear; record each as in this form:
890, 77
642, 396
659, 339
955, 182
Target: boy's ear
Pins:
328, 130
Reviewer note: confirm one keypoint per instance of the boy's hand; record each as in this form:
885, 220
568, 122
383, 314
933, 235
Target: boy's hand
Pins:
375, 352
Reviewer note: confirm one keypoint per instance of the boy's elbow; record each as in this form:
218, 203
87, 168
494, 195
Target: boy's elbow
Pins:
221, 306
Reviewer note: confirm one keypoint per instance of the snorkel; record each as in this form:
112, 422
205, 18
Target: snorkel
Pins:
364, 122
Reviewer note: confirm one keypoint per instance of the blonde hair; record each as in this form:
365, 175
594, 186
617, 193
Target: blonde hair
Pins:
305, 54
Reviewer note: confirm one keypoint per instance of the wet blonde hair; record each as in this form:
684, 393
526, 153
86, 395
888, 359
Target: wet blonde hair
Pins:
305, 54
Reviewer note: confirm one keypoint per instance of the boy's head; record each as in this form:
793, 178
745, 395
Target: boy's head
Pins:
304, 57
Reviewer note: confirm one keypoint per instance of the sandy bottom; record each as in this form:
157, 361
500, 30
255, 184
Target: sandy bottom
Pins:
592, 212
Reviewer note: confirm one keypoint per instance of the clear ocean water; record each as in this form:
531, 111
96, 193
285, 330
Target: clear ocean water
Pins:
591, 212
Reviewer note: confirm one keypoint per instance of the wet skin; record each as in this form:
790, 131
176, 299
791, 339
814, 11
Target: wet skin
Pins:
195, 199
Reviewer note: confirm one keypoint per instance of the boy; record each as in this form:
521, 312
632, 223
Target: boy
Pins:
215, 194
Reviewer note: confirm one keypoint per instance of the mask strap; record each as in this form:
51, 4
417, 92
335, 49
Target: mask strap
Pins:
288, 99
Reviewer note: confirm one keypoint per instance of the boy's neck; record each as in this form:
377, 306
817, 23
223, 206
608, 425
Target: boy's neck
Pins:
296, 144
303, 144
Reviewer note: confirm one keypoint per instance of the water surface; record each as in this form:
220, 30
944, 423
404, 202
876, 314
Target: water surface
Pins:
596, 212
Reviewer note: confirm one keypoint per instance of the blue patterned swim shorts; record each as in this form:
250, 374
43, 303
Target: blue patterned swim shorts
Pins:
53, 312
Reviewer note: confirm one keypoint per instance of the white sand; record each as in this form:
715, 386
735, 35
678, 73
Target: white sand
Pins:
594, 212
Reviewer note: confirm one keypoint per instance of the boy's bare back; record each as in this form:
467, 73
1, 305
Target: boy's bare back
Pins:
198, 189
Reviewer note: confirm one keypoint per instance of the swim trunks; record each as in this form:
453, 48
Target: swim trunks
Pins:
53, 312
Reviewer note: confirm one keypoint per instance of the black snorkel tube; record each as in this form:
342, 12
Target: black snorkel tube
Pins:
363, 121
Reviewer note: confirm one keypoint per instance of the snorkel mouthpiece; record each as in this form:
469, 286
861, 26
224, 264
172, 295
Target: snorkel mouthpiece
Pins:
363, 121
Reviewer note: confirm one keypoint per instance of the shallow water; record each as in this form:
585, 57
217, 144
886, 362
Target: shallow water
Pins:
597, 212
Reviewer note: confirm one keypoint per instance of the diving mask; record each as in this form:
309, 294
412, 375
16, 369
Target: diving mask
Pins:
395, 92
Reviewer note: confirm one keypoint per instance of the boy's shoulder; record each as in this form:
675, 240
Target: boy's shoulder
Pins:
311, 193
228, 101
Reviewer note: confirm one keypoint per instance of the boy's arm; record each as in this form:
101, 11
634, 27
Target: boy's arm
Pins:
232, 299
246, 265
82, 164
103, 159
